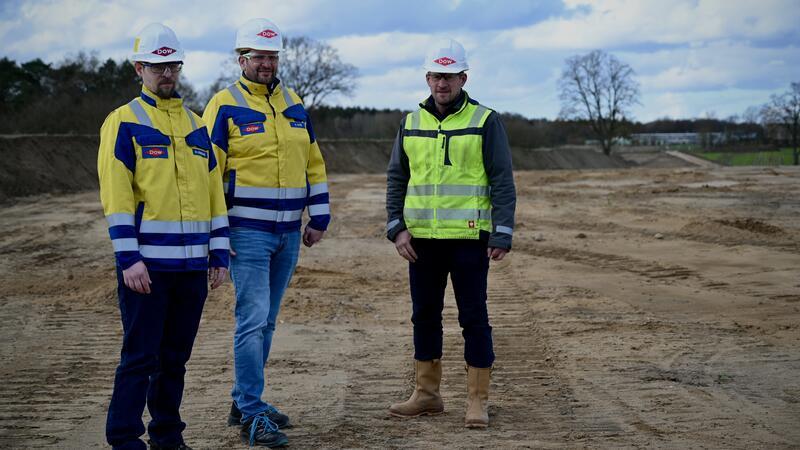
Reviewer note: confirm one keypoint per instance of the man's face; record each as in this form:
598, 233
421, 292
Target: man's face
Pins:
445, 87
260, 66
161, 79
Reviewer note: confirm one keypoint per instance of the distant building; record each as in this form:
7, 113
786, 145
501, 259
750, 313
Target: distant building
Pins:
714, 138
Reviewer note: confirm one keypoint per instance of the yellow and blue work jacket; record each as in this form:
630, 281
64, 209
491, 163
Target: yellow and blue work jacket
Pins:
272, 165
161, 187
450, 175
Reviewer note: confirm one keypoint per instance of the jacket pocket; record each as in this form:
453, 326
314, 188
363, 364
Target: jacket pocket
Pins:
153, 145
249, 122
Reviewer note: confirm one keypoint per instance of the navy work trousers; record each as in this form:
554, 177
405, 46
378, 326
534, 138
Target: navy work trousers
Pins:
159, 330
467, 264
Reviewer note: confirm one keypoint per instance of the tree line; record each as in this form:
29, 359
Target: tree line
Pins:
74, 96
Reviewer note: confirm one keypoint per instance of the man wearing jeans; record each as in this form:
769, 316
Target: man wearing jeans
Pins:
272, 171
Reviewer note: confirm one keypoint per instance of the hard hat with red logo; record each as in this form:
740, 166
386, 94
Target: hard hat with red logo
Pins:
155, 44
446, 56
259, 34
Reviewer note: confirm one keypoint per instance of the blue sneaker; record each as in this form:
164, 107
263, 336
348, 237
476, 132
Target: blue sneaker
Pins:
280, 419
259, 431
235, 416
277, 417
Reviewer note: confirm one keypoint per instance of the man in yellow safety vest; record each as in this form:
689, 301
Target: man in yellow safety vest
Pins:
450, 203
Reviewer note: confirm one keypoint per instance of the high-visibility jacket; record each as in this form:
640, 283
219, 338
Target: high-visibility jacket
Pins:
272, 165
454, 176
161, 187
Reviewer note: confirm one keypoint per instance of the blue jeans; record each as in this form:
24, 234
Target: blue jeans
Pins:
261, 270
159, 330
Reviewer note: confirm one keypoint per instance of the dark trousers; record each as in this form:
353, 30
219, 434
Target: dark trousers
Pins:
468, 266
159, 330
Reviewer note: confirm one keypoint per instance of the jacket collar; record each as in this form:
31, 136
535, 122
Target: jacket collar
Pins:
176, 102
453, 108
260, 89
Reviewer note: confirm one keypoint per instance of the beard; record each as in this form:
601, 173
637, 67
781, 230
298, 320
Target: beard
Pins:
165, 90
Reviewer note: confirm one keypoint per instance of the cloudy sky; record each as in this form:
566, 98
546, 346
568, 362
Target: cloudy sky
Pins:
692, 58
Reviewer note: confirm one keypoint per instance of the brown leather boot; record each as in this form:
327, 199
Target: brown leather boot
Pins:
425, 400
477, 397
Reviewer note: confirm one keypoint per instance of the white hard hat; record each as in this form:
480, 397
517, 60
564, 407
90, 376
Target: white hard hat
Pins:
446, 56
259, 34
155, 44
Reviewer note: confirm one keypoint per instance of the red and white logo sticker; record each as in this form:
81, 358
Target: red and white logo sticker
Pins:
164, 51
444, 61
269, 34
252, 129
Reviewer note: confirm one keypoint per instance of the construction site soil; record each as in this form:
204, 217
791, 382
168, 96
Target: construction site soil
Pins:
650, 306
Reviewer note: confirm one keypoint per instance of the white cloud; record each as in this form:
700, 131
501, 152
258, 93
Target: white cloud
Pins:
690, 56
202, 68
720, 65
721, 104
396, 88
384, 49
609, 23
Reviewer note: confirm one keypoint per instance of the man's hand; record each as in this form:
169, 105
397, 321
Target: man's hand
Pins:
311, 236
136, 278
403, 245
496, 254
217, 276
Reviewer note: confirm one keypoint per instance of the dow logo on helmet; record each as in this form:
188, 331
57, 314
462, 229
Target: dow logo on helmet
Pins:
163, 51
269, 34
444, 61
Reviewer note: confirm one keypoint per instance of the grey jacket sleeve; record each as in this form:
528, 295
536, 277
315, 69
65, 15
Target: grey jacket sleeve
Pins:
497, 163
397, 176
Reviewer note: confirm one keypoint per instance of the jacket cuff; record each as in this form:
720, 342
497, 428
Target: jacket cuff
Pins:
319, 223
394, 227
219, 258
126, 259
500, 240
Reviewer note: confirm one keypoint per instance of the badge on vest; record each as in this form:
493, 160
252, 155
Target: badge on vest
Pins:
251, 128
201, 153
471, 223
154, 152
297, 124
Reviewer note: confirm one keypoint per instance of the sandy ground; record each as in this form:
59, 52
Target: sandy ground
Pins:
639, 308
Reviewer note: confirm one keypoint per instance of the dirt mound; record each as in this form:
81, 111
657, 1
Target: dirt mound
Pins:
58, 164
32, 165
565, 158
746, 229
752, 225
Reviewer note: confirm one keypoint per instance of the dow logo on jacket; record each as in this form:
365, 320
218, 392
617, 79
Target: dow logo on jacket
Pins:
154, 152
251, 128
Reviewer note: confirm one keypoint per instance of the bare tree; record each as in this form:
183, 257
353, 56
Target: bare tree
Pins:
313, 69
600, 89
783, 112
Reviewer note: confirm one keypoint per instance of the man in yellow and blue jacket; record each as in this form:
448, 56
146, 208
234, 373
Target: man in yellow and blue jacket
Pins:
161, 190
450, 202
272, 171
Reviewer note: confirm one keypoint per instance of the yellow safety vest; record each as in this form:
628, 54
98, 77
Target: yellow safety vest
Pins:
448, 192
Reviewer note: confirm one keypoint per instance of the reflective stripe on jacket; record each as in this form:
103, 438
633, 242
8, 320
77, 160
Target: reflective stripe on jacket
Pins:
272, 166
161, 188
